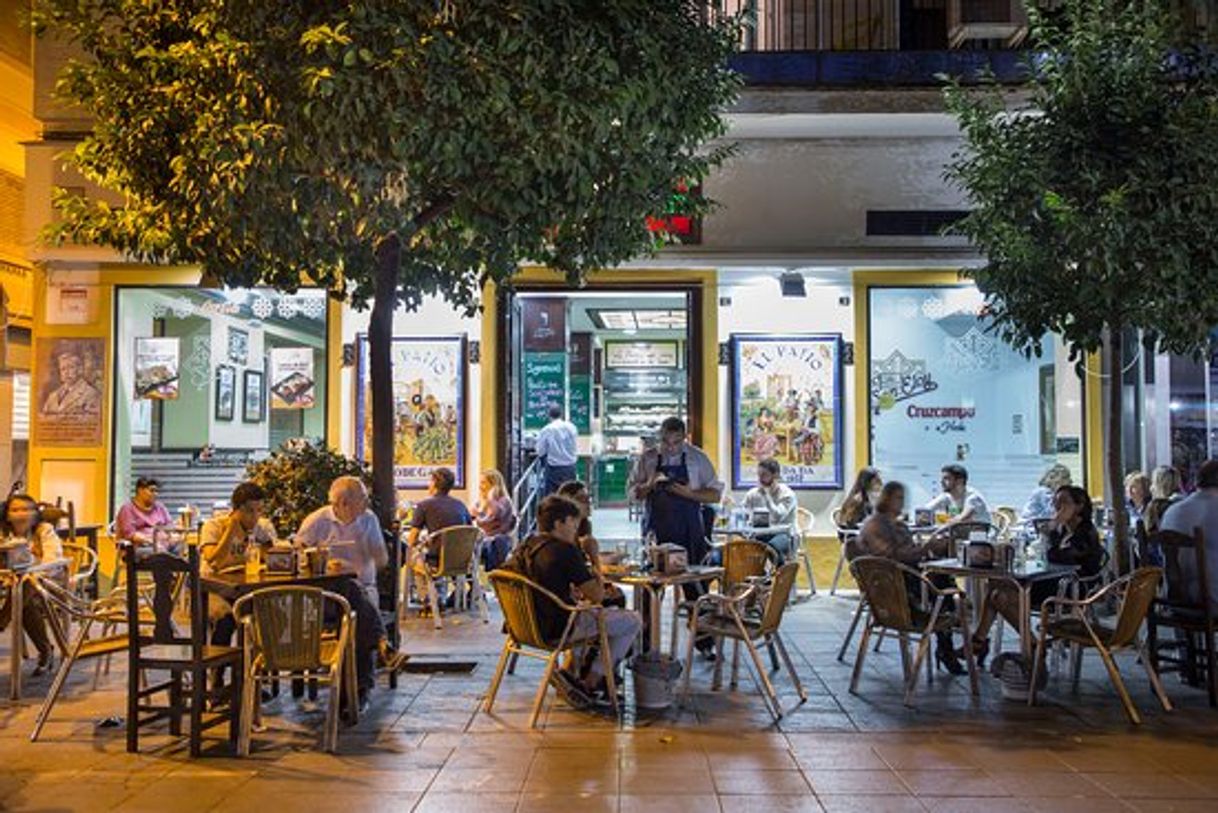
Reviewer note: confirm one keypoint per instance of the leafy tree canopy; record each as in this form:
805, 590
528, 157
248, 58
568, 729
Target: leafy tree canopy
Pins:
281, 142
1093, 190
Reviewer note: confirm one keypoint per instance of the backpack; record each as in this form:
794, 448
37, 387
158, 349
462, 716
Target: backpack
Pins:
522, 557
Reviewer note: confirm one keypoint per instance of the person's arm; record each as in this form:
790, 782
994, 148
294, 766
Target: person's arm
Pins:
417, 523
575, 572
786, 505
49, 542
642, 482
703, 487
217, 544
374, 541
543, 442
124, 526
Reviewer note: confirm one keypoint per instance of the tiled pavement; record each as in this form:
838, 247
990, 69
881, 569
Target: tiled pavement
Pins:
426, 747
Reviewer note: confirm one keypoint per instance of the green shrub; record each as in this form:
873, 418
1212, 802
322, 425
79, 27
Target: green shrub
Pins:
297, 480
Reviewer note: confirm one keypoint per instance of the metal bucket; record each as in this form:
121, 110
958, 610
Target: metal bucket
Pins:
655, 680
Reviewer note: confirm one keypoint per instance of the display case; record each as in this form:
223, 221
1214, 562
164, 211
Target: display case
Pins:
637, 401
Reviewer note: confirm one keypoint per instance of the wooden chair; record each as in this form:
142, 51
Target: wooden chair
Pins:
1077, 626
1184, 606
166, 650
728, 616
802, 537
518, 598
460, 550
884, 584
284, 638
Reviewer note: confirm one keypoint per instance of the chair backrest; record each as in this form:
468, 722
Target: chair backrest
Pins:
804, 520
457, 546
779, 597
744, 559
286, 625
882, 583
1140, 590
82, 561
167, 572
518, 598
961, 531
1004, 517
1184, 568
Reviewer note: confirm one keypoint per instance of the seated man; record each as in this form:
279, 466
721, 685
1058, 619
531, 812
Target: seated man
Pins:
223, 542
776, 499
353, 534
437, 512
554, 560
958, 501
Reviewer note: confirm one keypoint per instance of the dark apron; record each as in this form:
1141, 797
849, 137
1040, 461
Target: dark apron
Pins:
676, 520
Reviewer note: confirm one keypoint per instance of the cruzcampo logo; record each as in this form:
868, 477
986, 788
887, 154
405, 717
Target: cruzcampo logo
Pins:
897, 379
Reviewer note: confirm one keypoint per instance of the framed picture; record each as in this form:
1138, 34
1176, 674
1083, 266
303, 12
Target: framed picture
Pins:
226, 392
429, 408
238, 345
253, 403
156, 368
66, 392
787, 405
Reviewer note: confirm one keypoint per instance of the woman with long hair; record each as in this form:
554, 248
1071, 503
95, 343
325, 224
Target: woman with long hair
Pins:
21, 523
860, 500
496, 516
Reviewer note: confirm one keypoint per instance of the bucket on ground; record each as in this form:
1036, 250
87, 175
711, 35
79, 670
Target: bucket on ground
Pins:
655, 680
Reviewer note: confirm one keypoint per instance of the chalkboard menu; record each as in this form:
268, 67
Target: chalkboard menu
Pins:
581, 402
545, 384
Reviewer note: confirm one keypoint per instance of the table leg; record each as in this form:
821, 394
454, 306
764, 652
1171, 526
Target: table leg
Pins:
1025, 620
657, 610
18, 639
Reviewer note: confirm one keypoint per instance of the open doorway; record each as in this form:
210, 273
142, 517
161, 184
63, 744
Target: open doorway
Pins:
618, 361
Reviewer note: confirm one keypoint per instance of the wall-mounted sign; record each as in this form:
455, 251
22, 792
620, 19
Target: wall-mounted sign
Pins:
68, 390
156, 368
787, 405
428, 408
642, 355
292, 383
545, 324
545, 385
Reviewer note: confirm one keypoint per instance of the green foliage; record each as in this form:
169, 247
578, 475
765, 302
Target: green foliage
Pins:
1093, 187
297, 480
278, 142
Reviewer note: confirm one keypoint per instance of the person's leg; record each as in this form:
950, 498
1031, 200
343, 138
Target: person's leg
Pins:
34, 622
781, 543
369, 630
621, 628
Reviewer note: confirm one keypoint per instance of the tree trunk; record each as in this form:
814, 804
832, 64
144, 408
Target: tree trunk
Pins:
1116, 476
380, 372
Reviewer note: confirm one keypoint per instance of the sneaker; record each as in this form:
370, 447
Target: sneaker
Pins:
570, 690
46, 664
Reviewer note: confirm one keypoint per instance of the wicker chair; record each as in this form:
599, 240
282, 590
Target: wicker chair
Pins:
284, 638
802, 537
518, 598
844, 536
1077, 626
742, 560
727, 616
82, 567
460, 552
884, 585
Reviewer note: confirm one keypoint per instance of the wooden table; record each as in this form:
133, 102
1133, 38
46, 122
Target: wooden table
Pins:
750, 531
652, 586
1022, 577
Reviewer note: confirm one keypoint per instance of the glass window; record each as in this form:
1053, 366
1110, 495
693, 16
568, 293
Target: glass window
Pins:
208, 380
944, 390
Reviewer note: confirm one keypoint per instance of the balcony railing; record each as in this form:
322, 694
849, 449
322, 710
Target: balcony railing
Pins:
906, 25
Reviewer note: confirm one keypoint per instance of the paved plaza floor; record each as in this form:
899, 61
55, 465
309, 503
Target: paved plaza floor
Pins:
428, 747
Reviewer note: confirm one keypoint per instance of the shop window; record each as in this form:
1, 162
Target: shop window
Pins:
944, 389
210, 380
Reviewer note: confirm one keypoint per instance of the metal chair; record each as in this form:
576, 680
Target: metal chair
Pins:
742, 560
961, 531
284, 638
884, 584
1077, 626
68, 607
844, 536
1184, 606
82, 567
728, 617
518, 598
459, 554
804, 520
1005, 518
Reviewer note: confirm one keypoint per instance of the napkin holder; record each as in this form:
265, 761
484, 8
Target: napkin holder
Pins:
668, 558
280, 559
761, 518
979, 554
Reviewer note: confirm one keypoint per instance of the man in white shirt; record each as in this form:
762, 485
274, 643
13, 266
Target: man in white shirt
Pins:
958, 501
778, 502
558, 449
1199, 510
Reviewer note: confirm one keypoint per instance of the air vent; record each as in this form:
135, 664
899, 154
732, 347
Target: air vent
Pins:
911, 222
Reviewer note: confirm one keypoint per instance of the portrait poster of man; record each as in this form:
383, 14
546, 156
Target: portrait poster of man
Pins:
70, 380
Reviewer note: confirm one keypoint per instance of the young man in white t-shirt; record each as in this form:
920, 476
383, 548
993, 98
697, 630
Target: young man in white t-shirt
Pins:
958, 501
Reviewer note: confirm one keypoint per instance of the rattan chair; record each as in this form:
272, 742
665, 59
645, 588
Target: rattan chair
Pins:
82, 566
518, 598
1077, 626
460, 552
728, 617
844, 537
802, 538
68, 608
742, 561
884, 585
284, 638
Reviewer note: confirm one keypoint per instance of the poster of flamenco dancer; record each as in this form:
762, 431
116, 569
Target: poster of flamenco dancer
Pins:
787, 404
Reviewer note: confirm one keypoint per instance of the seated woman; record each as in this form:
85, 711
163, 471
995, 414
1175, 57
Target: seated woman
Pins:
1164, 492
884, 534
1040, 504
1137, 495
142, 514
496, 516
20, 521
860, 500
1073, 540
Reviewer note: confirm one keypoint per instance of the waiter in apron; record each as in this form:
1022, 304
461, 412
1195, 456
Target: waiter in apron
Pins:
676, 481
